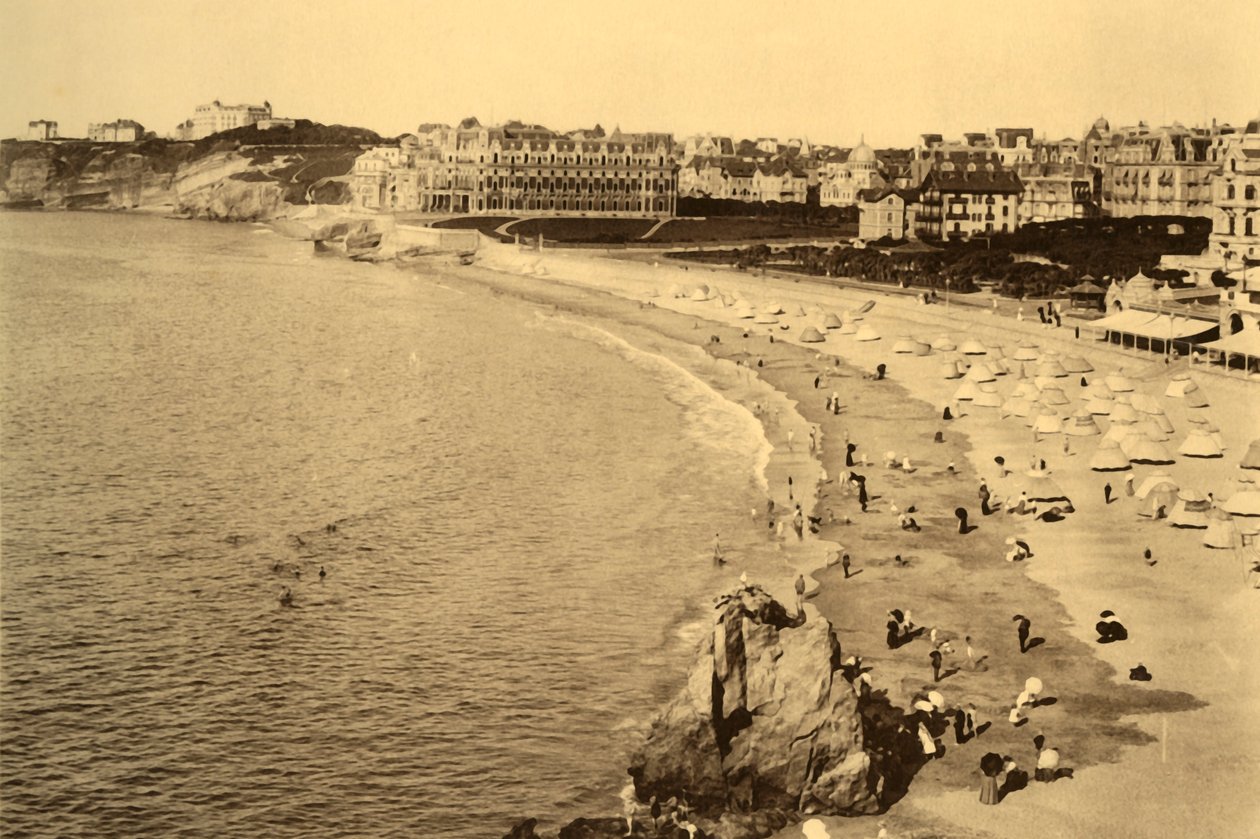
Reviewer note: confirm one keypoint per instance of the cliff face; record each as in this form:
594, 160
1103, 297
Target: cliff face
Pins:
767, 722
222, 179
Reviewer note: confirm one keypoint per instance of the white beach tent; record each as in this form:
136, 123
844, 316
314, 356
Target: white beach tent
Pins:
765, 317
1251, 460
1180, 385
1051, 368
1150, 428
943, 343
980, 372
1109, 458
1082, 424
1221, 532
1017, 406
1048, 422
1145, 404
744, 311
973, 347
1119, 383
1097, 390
771, 309
1123, 413
1041, 488
810, 335
1043, 382
798, 311
1245, 503
1162, 496
1025, 352
1196, 399
1142, 449
1098, 407
952, 368
1200, 443
699, 295
966, 391
1190, 510
866, 333
1053, 396
847, 328
1159, 476
1076, 364
832, 321
987, 397
904, 345
1027, 390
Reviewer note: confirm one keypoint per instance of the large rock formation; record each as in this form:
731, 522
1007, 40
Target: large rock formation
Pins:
766, 722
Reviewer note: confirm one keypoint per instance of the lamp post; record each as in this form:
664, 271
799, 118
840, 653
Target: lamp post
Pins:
947, 297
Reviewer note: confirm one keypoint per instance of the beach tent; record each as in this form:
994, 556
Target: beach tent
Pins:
765, 317
1150, 428
798, 311
1180, 385
1053, 396
1245, 503
1145, 404
771, 309
810, 335
1190, 510
980, 372
998, 366
1051, 368
1076, 364
866, 333
1123, 413
1109, 458
1117, 433
1142, 449
847, 328
1161, 496
1098, 407
966, 392
1119, 383
1251, 460
1043, 382
943, 343
1159, 476
831, 321
1027, 390
1200, 443
1082, 425
1017, 407
1025, 352
1162, 421
1097, 390
1221, 532
904, 345
1041, 488
744, 311
1048, 422
987, 398
952, 368
1196, 399
996, 350
973, 347
699, 295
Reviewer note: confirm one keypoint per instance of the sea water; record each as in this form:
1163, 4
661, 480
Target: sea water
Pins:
512, 508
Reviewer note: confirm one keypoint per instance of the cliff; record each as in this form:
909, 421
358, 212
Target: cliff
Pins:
244, 174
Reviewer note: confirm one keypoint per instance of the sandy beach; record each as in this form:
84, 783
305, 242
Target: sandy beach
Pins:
1178, 748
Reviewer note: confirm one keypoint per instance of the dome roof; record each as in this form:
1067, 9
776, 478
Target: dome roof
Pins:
862, 153
1101, 124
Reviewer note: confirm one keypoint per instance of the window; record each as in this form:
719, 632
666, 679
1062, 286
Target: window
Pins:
1250, 193
1247, 228
1229, 192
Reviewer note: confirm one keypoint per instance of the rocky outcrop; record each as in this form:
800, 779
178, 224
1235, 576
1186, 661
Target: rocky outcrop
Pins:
766, 722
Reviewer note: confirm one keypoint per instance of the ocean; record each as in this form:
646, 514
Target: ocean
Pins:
512, 508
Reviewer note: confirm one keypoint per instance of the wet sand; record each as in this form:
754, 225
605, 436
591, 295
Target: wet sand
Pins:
1177, 747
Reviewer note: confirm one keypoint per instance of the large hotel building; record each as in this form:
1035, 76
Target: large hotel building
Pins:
519, 168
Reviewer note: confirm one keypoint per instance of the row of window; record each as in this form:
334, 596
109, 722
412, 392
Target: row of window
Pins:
1249, 192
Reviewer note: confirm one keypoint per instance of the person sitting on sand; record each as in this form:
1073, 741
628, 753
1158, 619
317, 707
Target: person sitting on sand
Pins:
908, 523
890, 460
906, 466
1110, 630
286, 597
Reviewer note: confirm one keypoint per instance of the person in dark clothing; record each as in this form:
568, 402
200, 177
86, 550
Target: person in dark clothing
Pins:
935, 656
1024, 626
894, 632
848, 454
1041, 313
844, 563
1058, 321
961, 513
863, 498
1107, 493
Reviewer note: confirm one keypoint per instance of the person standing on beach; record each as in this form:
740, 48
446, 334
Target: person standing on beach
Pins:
800, 593
935, 657
798, 523
1023, 628
817, 381
862, 496
717, 550
849, 449
1107, 493
1128, 484
844, 564
791, 435
789, 487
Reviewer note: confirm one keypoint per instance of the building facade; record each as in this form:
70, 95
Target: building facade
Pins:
886, 213
41, 129
964, 203
1055, 192
520, 169
1165, 171
215, 117
119, 131
1236, 201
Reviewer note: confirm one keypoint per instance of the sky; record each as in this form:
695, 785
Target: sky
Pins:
832, 72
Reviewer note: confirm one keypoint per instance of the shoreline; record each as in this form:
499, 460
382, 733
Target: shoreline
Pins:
946, 798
